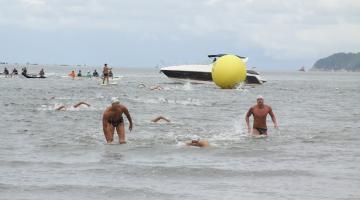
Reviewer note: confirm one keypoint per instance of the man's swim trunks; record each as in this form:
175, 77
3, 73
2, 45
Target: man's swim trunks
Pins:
115, 123
262, 131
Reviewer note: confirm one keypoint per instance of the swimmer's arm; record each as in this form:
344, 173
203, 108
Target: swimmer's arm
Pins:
126, 112
159, 118
61, 108
248, 114
81, 103
273, 118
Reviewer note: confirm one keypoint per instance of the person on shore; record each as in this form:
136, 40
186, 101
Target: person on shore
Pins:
75, 106
260, 112
113, 119
157, 119
106, 73
79, 73
195, 141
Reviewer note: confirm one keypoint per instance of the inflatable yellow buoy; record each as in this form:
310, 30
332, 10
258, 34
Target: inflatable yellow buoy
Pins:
228, 71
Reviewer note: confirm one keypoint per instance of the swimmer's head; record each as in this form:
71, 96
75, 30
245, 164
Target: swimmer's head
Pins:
260, 100
115, 100
195, 139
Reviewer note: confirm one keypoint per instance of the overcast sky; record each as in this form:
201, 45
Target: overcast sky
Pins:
143, 33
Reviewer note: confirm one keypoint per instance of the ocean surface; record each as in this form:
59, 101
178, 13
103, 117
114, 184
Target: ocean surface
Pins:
49, 154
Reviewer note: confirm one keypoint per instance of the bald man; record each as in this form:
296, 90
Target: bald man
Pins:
260, 112
113, 119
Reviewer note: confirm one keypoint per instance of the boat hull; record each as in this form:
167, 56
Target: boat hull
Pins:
33, 76
203, 76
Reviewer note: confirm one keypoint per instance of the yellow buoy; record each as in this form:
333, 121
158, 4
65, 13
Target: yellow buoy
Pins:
228, 71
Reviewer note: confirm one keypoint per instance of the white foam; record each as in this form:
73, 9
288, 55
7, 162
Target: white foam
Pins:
160, 100
187, 86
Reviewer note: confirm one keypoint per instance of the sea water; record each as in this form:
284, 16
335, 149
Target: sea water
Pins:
49, 154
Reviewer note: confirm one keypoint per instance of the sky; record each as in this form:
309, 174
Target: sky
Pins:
273, 34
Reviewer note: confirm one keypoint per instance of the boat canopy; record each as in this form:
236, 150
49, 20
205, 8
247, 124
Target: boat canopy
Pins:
220, 55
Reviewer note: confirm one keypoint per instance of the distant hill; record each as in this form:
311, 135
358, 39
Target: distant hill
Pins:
339, 61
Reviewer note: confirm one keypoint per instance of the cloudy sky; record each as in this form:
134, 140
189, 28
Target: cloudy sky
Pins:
284, 34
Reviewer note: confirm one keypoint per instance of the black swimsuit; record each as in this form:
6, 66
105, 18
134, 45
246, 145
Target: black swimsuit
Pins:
114, 122
262, 131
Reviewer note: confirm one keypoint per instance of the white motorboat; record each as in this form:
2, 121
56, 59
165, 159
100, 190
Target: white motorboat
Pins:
202, 73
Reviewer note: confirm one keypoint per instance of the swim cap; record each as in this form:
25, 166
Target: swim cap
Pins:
195, 138
260, 97
114, 100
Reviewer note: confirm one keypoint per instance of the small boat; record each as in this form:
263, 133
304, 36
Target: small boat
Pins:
33, 75
202, 73
302, 69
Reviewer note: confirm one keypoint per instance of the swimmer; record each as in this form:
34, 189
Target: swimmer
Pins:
155, 87
260, 112
160, 118
75, 106
195, 141
113, 119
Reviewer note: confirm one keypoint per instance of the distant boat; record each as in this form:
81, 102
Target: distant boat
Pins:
302, 69
33, 75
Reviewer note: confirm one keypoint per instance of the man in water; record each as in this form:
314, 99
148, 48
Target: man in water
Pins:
260, 112
42, 73
75, 106
155, 87
95, 73
14, 72
72, 74
24, 71
112, 119
195, 141
106, 70
6, 72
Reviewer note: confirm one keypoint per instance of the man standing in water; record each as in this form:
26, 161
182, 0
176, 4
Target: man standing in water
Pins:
260, 112
106, 70
112, 118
